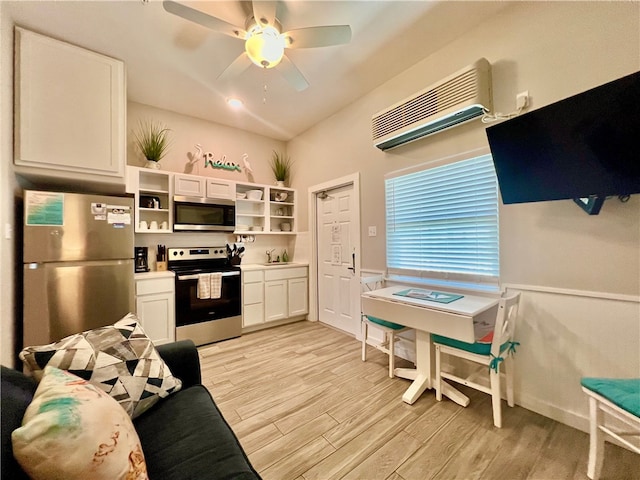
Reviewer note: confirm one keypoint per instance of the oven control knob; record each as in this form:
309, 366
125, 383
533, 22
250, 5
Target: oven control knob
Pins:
175, 253
181, 252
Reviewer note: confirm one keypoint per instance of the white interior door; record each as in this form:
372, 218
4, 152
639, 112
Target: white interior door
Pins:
337, 228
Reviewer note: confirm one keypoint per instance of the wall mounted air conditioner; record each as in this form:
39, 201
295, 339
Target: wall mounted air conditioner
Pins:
454, 100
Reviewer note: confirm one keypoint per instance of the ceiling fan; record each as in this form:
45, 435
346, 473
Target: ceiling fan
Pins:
264, 40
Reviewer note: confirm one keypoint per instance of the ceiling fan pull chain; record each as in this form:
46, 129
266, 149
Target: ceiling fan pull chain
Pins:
264, 87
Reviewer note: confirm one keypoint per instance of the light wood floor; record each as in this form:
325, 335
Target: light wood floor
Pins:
305, 406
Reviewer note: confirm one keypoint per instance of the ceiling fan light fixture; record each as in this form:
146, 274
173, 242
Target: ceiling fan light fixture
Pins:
235, 102
265, 46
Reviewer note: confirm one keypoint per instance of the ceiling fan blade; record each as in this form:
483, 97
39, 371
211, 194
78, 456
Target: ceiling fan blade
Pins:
291, 73
312, 37
238, 66
203, 19
264, 12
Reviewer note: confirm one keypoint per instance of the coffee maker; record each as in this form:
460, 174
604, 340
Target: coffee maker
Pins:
140, 260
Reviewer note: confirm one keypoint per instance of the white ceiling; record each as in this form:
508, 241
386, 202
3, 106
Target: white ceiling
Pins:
173, 63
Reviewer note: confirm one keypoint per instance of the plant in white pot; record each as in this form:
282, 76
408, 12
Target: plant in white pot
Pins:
152, 140
281, 167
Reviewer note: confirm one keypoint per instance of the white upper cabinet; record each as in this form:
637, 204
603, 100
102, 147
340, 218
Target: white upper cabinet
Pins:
272, 210
70, 111
189, 185
203, 187
221, 189
153, 197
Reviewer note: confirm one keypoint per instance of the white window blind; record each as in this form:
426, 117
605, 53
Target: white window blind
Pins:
442, 222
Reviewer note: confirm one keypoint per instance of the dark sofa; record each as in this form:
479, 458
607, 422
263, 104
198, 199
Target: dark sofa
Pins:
183, 436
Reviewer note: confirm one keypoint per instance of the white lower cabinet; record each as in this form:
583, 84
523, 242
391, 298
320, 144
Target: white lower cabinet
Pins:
252, 298
275, 300
274, 294
155, 307
298, 296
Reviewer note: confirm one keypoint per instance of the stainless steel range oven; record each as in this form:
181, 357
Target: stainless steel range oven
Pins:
199, 318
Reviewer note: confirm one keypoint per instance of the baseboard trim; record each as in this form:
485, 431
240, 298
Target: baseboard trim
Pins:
277, 323
541, 407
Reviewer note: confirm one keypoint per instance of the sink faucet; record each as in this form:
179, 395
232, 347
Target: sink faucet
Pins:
269, 253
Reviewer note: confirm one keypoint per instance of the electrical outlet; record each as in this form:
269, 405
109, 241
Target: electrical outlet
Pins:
372, 231
522, 99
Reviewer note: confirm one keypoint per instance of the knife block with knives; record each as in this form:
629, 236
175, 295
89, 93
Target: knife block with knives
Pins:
235, 254
161, 258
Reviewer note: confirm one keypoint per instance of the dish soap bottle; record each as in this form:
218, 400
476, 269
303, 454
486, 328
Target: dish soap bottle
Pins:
285, 256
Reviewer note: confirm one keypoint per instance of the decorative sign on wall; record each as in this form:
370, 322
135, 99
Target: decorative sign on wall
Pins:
210, 161
223, 163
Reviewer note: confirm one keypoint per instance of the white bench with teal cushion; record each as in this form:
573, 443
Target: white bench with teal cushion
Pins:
493, 350
619, 398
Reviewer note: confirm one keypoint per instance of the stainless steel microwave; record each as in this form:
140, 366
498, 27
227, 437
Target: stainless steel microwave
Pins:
203, 214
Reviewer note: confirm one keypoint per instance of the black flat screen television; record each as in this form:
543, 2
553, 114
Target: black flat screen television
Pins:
587, 145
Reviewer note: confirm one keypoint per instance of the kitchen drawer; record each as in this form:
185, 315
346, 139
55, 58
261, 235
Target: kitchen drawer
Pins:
250, 276
253, 293
285, 273
149, 286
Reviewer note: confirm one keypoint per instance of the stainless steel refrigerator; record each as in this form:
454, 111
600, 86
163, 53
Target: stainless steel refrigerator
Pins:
78, 263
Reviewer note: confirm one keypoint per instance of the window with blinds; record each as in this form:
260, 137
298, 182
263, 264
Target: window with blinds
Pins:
442, 222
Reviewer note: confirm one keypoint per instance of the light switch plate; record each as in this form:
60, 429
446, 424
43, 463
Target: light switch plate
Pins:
372, 231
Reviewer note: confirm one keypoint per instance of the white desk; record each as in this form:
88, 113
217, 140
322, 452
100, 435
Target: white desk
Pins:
453, 320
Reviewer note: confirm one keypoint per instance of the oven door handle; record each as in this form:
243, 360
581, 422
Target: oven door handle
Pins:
195, 277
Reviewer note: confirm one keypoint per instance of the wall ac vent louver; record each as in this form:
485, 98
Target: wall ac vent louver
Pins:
458, 98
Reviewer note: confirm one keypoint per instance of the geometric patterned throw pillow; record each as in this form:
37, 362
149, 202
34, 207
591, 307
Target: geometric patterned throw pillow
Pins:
119, 359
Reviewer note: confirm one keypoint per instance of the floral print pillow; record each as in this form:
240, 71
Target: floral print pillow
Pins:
73, 430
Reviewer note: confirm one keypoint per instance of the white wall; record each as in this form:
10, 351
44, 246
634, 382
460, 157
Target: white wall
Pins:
554, 50
565, 337
222, 141
8, 187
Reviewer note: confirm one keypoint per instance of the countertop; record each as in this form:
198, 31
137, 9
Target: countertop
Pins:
260, 266
143, 275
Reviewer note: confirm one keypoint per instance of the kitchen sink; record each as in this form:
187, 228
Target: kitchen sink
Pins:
273, 264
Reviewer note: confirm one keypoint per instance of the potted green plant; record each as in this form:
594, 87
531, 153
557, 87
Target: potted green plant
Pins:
152, 141
281, 167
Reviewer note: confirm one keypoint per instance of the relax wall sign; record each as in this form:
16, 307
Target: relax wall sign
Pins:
223, 163
209, 160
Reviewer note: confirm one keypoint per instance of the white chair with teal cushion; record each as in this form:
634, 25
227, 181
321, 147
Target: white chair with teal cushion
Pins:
492, 350
616, 399
389, 329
